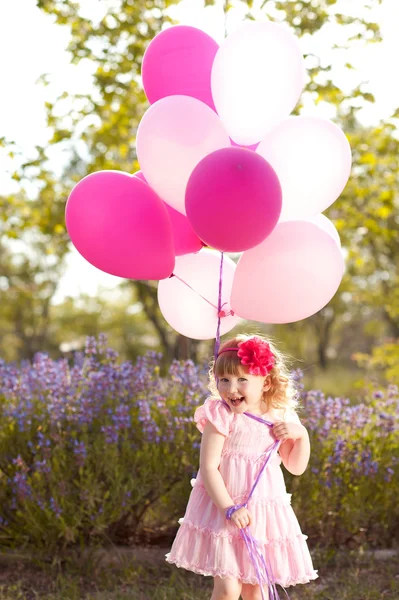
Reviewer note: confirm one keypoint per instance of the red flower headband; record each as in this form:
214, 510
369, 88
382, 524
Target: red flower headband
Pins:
255, 354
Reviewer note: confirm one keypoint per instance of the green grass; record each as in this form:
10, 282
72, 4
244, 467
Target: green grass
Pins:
143, 575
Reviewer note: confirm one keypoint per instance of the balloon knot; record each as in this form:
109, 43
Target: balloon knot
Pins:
225, 313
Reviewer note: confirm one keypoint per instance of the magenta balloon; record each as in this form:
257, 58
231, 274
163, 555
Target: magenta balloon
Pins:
184, 239
290, 276
120, 226
179, 61
140, 175
233, 200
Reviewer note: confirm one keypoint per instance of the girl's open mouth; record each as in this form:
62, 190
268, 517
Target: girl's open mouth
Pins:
236, 401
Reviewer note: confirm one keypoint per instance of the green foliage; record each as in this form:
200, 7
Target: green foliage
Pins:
104, 123
366, 216
383, 360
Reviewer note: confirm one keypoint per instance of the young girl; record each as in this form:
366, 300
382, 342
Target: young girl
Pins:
239, 535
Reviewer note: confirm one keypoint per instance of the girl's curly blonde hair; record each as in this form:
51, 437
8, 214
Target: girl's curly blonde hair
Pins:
282, 393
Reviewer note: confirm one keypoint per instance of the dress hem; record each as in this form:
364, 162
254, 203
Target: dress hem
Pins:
232, 575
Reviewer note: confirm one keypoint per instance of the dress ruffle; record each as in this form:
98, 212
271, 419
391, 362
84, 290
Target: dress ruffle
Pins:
205, 553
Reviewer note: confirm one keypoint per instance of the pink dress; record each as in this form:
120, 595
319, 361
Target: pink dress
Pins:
207, 543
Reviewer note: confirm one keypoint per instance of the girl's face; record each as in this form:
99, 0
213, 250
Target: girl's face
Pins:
243, 392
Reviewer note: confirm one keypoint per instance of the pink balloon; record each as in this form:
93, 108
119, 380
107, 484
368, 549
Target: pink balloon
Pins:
174, 135
324, 223
233, 200
140, 175
250, 147
290, 276
179, 61
184, 239
193, 312
120, 226
312, 158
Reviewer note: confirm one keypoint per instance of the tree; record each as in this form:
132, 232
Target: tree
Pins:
105, 122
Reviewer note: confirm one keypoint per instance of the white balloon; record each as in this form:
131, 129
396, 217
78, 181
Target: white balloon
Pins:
174, 135
193, 312
257, 78
312, 159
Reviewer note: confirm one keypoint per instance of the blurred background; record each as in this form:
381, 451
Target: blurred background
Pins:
70, 105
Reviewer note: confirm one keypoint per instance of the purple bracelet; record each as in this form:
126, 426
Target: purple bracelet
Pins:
231, 510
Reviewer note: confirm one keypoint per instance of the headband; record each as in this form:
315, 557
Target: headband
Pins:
256, 354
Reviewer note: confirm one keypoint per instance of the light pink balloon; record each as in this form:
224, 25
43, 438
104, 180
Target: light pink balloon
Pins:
178, 61
233, 199
292, 275
184, 309
185, 241
327, 225
119, 225
257, 77
312, 158
174, 135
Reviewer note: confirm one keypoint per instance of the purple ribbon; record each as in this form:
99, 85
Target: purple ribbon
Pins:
221, 312
261, 564
217, 339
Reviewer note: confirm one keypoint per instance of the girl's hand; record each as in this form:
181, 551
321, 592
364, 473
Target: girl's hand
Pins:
284, 430
241, 518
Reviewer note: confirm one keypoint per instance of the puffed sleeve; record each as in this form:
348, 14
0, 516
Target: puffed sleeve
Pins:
289, 415
217, 413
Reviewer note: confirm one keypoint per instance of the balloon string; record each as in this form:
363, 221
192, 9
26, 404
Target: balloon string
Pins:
195, 291
217, 340
257, 551
226, 313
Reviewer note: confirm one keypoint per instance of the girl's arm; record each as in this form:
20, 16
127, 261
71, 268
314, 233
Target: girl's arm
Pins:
295, 451
211, 451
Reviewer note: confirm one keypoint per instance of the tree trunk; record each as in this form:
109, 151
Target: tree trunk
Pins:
322, 325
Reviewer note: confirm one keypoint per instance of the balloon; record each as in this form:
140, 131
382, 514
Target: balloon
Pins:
140, 175
257, 78
292, 275
120, 226
184, 309
328, 226
250, 147
178, 61
184, 239
312, 159
173, 136
233, 199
